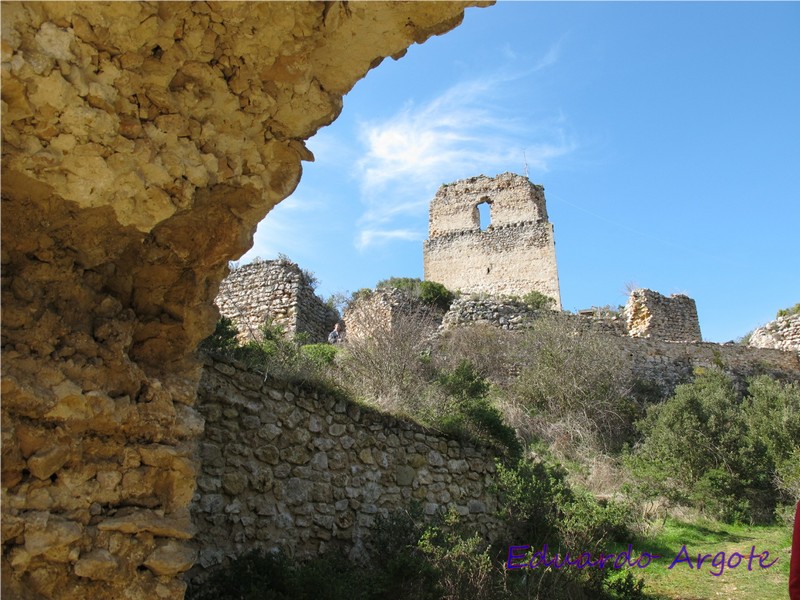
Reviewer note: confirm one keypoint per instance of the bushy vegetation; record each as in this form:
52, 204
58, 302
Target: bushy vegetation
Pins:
731, 457
558, 404
537, 300
430, 293
792, 310
272, 352
575, 390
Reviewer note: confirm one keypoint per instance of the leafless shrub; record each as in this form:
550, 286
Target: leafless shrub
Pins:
387, 364
491, 350
575, 386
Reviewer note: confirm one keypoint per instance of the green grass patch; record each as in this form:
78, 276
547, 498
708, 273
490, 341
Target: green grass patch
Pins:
711, 537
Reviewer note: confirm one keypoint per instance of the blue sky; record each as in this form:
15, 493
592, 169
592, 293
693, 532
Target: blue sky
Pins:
666, 135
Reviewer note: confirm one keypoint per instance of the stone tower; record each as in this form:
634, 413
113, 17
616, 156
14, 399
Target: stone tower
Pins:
513, 254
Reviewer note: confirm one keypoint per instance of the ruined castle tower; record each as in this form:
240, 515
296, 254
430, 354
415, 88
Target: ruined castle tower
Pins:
513, 254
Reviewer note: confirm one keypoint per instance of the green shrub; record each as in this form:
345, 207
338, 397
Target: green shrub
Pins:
792, 310
321, 354
469, 413
436, 295
708, 448
537, 300
539, 506
223, 340
408, 284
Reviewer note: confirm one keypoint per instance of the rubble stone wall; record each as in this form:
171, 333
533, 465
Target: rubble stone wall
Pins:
782, 334
661, 362
652, 315
275, 290
142, 142
513, 255
284, 467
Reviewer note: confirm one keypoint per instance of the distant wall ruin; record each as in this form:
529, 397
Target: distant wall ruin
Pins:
512, 255
782, 334
652, 315
276, 291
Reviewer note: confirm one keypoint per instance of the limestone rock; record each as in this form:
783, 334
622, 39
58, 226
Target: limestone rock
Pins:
142, 143
98, 564
170, 558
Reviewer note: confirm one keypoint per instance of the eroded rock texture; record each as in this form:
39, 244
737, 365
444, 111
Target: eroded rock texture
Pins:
142, 142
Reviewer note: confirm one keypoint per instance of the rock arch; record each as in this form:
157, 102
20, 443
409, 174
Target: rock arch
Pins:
142, 143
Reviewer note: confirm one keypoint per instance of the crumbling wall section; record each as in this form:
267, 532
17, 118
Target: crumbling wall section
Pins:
514, 314
276, 291
513, 255
661, 362
381, 311
781, 334
652, 315
284, 467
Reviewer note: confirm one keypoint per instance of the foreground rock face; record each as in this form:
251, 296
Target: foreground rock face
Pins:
142, 143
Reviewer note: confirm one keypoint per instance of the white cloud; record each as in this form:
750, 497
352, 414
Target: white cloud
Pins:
375, 237
477, 126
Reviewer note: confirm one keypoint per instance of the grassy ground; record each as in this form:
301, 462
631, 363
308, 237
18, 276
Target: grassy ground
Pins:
707, 537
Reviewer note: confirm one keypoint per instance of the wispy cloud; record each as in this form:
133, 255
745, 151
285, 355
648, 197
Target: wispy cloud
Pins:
377, 237
477, 126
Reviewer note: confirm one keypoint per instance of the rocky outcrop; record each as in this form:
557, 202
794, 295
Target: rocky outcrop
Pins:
781, 334
142, 143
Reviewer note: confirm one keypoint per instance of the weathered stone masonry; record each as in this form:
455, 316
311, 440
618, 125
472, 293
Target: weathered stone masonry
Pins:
782, 334
275, 290
142, 143
664, 362
284, 467
514, 255
652, 315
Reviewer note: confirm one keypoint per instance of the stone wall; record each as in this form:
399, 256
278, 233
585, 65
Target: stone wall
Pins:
283, 467
513, 255
275, 290
142, 142
385, 310
673, 318
513, 314
668, 364
662, 362
782, 334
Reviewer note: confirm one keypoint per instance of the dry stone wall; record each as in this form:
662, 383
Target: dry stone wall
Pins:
514, 255
141, 144
284, 467
277, 291
514, 314
662, 362
673, 318
782, 334
383, 311
668, 364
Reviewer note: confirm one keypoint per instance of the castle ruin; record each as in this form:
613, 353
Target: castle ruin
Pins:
514, 254
276, 291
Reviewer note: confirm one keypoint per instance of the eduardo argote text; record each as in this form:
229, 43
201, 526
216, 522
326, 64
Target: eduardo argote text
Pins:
520, 557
